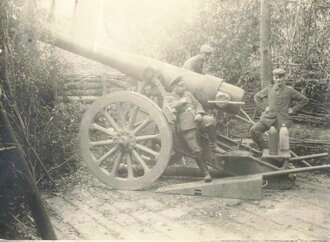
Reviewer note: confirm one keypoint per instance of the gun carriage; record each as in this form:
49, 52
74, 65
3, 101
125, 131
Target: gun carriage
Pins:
127, 140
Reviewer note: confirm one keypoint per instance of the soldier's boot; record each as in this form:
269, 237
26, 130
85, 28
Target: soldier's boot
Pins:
205, 170
256, 132
207, 176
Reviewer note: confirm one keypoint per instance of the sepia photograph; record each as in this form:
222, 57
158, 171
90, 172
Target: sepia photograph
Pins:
164, 120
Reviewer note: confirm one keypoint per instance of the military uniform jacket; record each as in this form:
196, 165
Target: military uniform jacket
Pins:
279, 101
185, 113
195, 63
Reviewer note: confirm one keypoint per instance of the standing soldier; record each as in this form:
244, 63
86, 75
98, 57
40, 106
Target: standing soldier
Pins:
191, 116
280, 98
196, 63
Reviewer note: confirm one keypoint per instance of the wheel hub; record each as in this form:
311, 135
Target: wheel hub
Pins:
126, 140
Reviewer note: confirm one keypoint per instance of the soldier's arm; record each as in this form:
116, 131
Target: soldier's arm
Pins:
197, 66
259, 98
173, 102
167, 110
300, 99
198, 107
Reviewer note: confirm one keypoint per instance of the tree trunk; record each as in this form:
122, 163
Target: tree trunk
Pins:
265, 50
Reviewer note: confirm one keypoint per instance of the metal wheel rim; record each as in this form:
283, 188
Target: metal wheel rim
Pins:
157, 117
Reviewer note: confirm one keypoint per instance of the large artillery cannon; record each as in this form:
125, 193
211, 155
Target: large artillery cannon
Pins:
126, 139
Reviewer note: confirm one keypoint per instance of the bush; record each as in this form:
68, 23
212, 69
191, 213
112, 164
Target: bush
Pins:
57, 138
34, 75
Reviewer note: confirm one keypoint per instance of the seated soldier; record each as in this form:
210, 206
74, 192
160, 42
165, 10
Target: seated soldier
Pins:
189, 112
279, 97
197, 62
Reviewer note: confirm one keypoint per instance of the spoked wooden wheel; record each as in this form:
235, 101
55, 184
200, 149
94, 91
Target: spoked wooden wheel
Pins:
125, 140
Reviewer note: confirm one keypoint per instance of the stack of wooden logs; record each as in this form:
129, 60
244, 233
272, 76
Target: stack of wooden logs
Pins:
88, 88
310, 145
315, 113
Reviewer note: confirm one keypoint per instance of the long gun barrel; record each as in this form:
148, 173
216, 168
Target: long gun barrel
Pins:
204, 87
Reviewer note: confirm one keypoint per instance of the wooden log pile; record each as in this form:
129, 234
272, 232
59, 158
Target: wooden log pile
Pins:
315, 113
310, 145
87, 88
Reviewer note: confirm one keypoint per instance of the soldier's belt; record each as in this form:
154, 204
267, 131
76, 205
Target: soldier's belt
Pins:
186, 110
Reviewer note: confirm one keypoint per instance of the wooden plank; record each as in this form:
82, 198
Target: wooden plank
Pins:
87, 227
83, 98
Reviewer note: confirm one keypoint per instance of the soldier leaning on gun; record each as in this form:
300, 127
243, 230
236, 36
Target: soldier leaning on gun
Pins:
280, 97
196, 63
190, 115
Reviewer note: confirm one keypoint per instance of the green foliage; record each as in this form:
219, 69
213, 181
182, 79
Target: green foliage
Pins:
231, 28
301, 44
30, 78
35, 76
57, 138
300, 33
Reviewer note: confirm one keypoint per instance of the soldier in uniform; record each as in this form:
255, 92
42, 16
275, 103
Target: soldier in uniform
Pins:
196, 63
191, 116
280, 98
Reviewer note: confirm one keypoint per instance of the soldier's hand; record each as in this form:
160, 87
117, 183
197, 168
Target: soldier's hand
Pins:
267, 109
184, 100
290, 111
198, 117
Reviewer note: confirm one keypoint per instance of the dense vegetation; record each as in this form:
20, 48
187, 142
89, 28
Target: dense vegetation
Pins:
31, 77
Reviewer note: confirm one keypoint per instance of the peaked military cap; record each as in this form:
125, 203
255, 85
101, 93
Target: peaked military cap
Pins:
206, 49
279, 71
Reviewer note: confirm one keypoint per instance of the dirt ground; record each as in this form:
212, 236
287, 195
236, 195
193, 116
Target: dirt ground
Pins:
84, 209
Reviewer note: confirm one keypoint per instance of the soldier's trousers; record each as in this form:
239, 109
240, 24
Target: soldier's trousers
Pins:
256, 131
208, 126
190, 138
